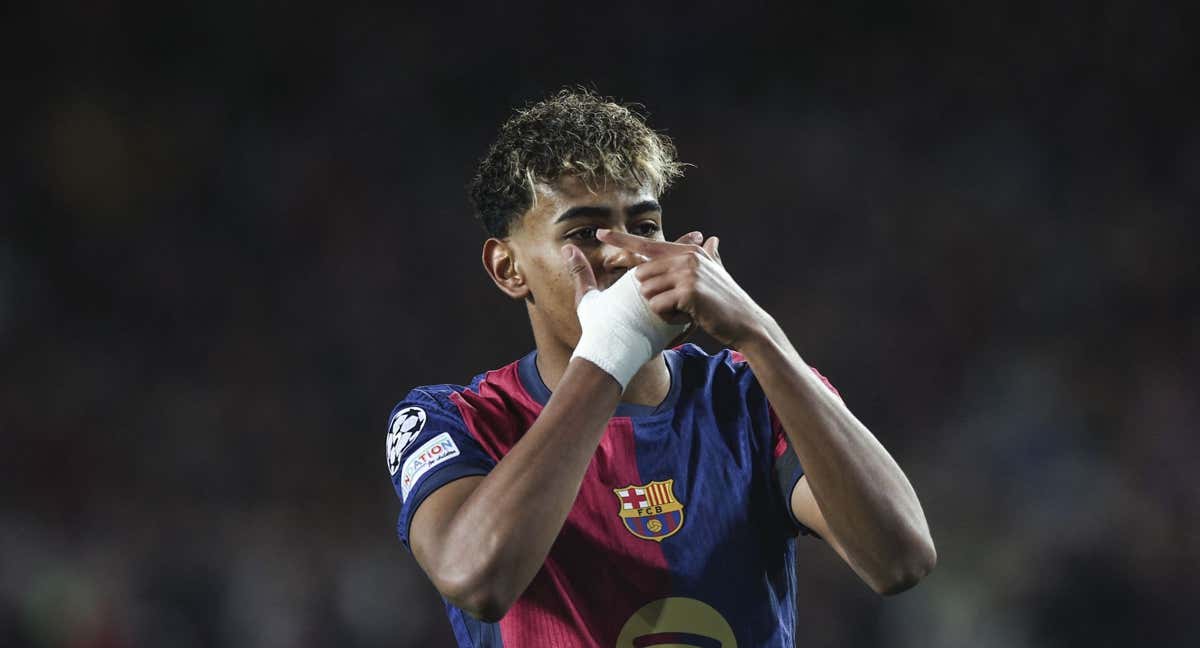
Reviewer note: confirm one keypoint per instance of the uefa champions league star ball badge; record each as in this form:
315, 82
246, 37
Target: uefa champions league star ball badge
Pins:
406, 425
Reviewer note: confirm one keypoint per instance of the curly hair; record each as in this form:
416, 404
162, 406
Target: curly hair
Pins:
573, 132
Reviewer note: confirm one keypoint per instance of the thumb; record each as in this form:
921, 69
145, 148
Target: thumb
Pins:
710, 246
692, 238
580, 271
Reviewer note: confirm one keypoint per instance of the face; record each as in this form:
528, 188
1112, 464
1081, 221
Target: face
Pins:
568, 213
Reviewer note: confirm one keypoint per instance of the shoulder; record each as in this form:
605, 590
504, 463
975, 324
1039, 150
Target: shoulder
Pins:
446, 398
693, 357
422, 405
723, 368
488, 410
432, 396
729, 364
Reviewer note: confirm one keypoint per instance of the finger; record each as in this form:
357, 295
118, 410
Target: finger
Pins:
710, 246
641, 245
580, 271
655, 267
691, 238
667, 306
655, 285
688, 262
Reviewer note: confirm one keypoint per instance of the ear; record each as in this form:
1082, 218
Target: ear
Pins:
500, 262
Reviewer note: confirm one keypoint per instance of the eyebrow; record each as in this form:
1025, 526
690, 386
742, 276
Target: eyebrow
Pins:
590, 211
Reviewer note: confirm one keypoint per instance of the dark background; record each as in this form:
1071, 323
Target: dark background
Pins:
233, 235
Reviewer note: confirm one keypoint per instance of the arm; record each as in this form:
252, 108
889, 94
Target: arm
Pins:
853, 493
477, 538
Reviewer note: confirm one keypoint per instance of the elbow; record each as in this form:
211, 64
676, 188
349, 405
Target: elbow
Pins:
477, 595
484, 606
908, 568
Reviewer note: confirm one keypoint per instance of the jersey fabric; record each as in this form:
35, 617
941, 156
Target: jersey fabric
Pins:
682, 532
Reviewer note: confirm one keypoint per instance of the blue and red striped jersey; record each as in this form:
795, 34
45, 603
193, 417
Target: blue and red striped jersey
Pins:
682, 532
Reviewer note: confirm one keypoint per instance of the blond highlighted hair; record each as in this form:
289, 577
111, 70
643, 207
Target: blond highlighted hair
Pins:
574, 132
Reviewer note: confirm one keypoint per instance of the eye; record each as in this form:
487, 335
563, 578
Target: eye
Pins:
647, 229
583, 234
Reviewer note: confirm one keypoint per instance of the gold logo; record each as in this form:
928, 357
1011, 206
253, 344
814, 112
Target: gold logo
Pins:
676, 622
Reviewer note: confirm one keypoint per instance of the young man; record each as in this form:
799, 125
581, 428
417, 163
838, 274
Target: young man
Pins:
603, 491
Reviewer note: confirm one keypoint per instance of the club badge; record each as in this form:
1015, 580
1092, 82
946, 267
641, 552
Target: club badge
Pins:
650, 512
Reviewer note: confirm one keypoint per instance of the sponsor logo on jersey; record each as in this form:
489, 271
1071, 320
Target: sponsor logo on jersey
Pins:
405, 427
435, 451
677, 621
650, 512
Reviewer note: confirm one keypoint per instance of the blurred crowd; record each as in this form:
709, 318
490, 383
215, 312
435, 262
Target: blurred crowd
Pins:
232, 237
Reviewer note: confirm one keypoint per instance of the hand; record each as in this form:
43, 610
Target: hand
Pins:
618, 331
585, 279
686, 281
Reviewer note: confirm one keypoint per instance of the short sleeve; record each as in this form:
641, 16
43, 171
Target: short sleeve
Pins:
787, 468
428, 446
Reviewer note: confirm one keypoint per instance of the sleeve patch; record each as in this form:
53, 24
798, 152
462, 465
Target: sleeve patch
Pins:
405, 427
437, 450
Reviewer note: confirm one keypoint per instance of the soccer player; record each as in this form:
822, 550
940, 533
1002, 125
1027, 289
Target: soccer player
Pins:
613, 488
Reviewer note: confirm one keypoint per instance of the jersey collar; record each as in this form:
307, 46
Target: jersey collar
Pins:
531, 380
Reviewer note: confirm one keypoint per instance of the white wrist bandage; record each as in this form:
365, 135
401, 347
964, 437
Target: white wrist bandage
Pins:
620, 332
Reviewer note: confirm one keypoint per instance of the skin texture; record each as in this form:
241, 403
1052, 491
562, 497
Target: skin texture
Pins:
529, 265
474, 538
853, 493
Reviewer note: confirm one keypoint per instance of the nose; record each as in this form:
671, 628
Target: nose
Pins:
615, 258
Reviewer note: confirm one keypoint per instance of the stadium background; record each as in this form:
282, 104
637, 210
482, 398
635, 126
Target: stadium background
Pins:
232, 236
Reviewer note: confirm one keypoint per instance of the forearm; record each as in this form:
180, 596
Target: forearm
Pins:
868, 503
500, 536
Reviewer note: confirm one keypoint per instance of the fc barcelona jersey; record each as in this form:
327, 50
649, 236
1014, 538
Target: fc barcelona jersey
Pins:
682, 532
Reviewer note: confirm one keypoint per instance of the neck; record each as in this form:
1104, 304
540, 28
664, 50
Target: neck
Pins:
649, 386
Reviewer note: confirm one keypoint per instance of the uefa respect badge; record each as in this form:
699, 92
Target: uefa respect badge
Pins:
434, 452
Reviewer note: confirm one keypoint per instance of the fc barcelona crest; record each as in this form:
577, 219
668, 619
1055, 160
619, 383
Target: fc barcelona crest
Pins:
650, 512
